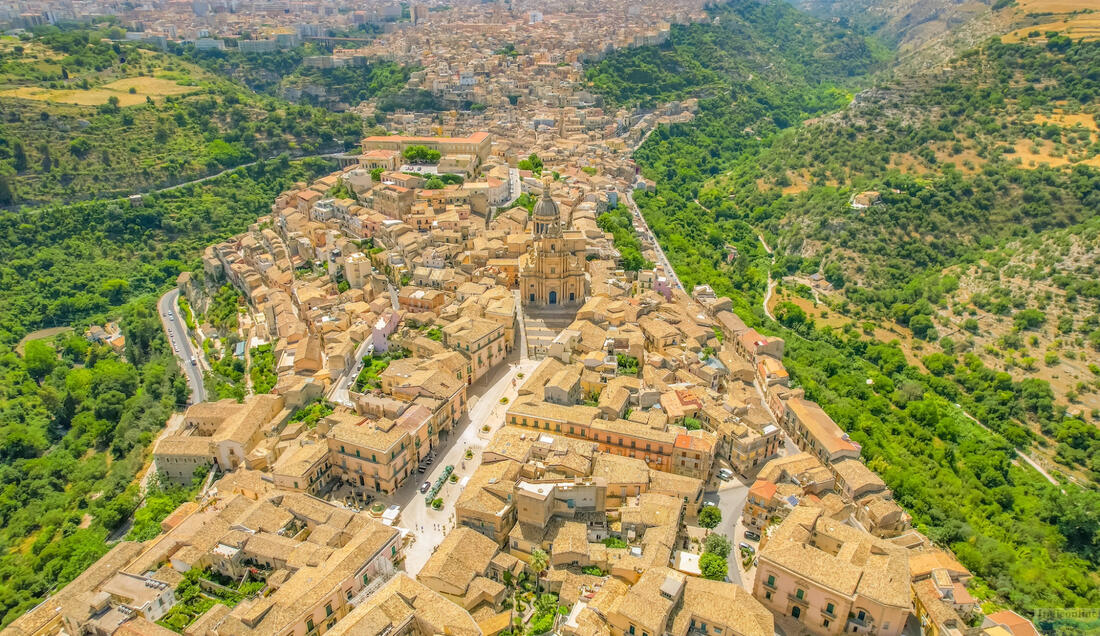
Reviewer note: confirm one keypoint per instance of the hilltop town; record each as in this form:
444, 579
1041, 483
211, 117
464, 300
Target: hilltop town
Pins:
472, 396
513, 433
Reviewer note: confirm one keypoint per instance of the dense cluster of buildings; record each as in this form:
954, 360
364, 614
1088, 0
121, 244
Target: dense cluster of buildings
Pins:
391, 289
387, 302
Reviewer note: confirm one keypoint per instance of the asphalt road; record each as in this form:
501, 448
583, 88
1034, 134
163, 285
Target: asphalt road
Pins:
176, 330
730, 499
663, 260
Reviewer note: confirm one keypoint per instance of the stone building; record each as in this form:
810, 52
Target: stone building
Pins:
552, 272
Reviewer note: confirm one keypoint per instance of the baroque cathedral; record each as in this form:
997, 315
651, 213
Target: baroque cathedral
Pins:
552, 272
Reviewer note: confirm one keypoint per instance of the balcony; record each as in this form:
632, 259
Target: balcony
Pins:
369, 589
801, 601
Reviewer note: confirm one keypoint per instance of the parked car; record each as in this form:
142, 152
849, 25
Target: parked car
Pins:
725, 474
745, 546
425, 486
749, 534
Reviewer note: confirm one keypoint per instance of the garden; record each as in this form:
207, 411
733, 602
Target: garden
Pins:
374, 365
533, 612
202, 589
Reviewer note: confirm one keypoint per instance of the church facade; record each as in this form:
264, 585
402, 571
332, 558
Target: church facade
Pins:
552, 272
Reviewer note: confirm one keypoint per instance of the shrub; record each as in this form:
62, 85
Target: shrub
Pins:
541, 624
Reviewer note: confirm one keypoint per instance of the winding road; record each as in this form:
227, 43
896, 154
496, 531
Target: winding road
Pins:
656, 246
235, 168
176, 330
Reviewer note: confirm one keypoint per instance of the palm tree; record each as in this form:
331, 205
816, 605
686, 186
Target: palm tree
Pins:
539, 563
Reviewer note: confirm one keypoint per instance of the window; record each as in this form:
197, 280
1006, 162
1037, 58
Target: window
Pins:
771, 581
328, 609
631, 629
768, 595
800, 594
309, 625
830, 609
825, 623
861, 615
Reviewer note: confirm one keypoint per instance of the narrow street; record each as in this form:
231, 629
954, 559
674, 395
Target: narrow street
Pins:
730, 499
429, 526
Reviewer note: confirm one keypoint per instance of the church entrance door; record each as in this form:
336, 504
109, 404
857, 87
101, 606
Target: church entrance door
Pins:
553, 298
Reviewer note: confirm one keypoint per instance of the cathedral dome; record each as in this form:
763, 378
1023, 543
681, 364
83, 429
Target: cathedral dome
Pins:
546, 208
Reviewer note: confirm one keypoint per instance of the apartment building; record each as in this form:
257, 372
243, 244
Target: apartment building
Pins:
482, 341
816, 433
372, 454
664, 601
833, 578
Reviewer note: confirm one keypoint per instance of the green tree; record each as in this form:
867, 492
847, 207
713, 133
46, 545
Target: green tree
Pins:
19, 156
922, 327
533, 163
7, 196
420, 154
39, 358
717, 544
710, 517
1029, 319
713, 566
539, 562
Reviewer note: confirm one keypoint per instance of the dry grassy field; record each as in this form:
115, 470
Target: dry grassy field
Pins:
1082, 25
143, 87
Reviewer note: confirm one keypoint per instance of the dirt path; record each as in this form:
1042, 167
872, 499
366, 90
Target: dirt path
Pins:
1022, 455
39, 335
768, 297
